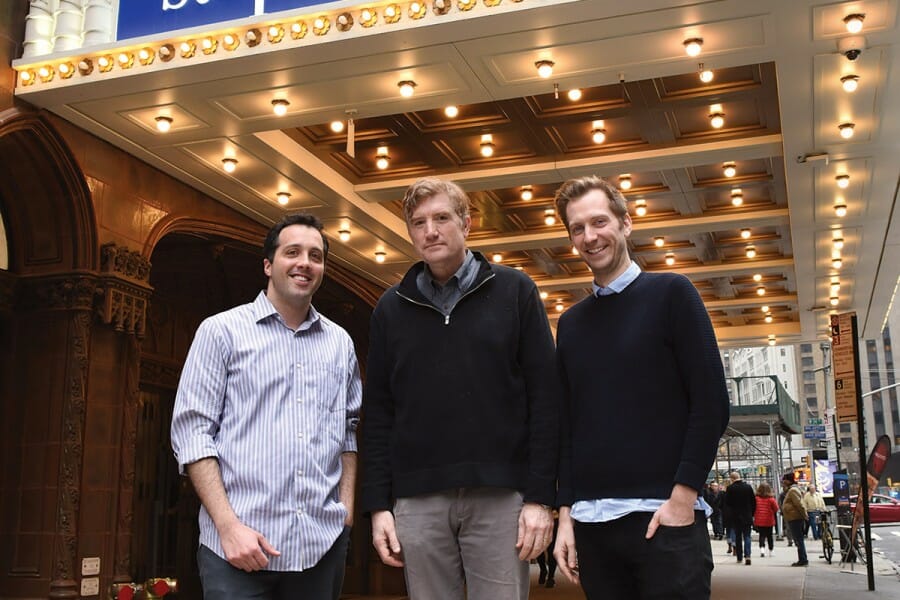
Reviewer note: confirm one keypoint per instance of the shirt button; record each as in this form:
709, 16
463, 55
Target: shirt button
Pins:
299, 511
300, 400
299, 473
300, 435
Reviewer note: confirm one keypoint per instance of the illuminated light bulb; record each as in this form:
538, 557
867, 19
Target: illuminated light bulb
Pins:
465, 5
166, 52
757, 277
837, 262
840, 210
640, 207
750, 251
321, 25
544, 295
706, 75
549, 217
854, 22
598, 132
344, 235
834, 300
229, 164
846, 130
283, 198
27, 77
843, 181
417, 10
451, 111
209, 45
729, 169
768, 318
559, 307
575, 251
497, 257
336, 126
745, 233
717, 120
545, 68
835, 287
382, 159
407, 88
625, 182
163, 123
737, 197
487, 145
380, 256
188, 49
574, 94
850, 83
105, 63
230, 41
145, 56
66, 70
838, 243
46, 73
761, 290
693, 46
764, 308
527, 193
298, 30
275, 33
368, 17
391, 13
85, 66
670, 258
659, 242
280, 106
771, 340
125, 60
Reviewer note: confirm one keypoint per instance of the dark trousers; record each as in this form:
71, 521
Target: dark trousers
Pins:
615, 561
765, 534
799, 538
718, 529
743, 541
321, 582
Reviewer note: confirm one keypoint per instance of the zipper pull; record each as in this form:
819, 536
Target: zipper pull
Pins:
446, 319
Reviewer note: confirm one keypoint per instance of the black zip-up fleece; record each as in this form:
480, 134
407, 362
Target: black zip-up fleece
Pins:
467, 400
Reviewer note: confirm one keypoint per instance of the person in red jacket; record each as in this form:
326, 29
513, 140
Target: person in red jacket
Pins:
764, 517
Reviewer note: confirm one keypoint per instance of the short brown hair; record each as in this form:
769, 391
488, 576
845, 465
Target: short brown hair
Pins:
428, 187
574, 189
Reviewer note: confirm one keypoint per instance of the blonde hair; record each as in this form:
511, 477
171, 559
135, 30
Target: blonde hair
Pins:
429, 187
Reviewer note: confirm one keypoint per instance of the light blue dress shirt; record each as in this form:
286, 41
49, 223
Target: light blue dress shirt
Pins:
602, 510
277, 408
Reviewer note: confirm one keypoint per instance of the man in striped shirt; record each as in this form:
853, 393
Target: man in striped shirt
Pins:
265, 426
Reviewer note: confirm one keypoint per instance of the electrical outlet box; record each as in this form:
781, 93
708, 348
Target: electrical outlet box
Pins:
90, 586
90, 566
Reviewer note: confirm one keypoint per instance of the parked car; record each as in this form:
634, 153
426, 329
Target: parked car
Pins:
882, 509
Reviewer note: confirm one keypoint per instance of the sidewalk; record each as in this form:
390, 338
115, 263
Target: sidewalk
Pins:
770, 578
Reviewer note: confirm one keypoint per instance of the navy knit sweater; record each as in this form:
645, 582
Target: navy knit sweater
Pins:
471, 400
644, 392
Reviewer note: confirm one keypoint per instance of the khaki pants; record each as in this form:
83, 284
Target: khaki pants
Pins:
461, 543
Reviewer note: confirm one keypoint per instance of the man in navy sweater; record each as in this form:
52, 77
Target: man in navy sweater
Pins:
644, 405
460, 426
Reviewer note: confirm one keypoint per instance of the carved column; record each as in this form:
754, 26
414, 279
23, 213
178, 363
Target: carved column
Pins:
123, 302
72, 294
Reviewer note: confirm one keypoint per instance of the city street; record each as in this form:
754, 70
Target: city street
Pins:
886, 540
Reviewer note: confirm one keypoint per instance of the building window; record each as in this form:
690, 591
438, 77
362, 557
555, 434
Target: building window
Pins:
805, 348
806, 361
845, 427
809, 389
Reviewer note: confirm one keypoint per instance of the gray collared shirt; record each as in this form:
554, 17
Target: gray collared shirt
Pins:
444, 297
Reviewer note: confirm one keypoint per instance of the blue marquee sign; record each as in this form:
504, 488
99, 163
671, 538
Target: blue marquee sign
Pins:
149, 17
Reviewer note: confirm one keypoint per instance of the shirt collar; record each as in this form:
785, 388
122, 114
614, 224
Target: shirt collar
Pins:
263, 309
464, 274
619, 283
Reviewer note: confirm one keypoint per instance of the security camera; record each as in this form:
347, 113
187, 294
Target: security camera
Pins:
851, 47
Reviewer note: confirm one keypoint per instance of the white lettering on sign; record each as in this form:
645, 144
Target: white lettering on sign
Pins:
177, 4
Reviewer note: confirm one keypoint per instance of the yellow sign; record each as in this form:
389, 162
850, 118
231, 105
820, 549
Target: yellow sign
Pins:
843, 338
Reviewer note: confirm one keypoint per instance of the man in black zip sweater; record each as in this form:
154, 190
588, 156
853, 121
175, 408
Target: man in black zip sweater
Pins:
460, 425
644, 405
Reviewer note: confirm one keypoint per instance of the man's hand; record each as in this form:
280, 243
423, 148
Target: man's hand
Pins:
384, 538
677, 511
564, 551
245, 548
535, 530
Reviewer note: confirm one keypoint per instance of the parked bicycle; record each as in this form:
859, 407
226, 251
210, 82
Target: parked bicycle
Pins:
827, 537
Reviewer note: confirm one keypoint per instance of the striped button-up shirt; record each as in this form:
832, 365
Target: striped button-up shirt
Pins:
277, 408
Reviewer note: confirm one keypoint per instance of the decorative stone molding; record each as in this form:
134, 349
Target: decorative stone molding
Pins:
65, 546
124, 289
160, 373
125, 516
58, 292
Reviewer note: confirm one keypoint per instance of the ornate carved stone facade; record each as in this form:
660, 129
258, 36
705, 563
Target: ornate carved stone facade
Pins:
124, 289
